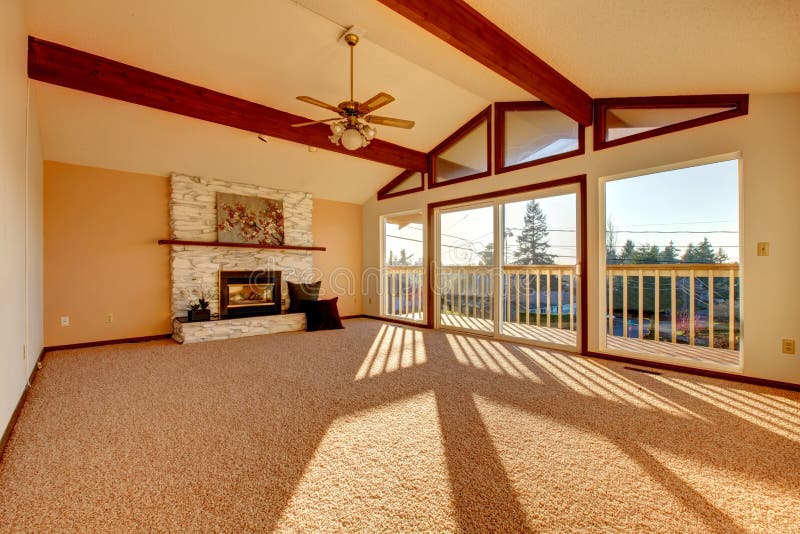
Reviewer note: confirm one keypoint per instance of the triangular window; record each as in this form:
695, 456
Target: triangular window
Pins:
532, 133
406, 182
465, 155
625, 120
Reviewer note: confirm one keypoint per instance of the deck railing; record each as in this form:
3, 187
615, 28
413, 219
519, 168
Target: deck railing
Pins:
697, 304
403, 288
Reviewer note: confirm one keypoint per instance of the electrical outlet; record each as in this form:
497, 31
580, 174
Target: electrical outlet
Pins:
787, 346
65, 320
109, 318
763, 248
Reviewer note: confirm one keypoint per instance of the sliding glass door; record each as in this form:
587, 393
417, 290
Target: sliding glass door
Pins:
466, 268
539, 269
508, 267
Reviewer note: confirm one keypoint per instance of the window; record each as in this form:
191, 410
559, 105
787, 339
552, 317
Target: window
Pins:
465, 155
672, 276
624, 120
406, 182
533, 133
403, 268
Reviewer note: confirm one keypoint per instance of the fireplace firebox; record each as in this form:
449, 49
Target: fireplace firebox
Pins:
249, 293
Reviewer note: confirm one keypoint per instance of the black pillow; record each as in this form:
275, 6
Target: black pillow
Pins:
300, 292
322, 314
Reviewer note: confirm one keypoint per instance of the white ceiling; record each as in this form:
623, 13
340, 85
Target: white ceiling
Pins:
270, 51
660, 47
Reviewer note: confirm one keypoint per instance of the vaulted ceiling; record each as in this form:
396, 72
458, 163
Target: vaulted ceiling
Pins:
269, 51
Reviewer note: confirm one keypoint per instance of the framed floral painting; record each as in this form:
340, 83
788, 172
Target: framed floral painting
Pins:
242, 219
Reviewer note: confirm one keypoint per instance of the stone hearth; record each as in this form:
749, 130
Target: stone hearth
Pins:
184, 332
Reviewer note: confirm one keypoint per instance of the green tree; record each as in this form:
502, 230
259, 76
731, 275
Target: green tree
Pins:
669, 254
702, 253
721, 257
646, 254
627, 252
532, 242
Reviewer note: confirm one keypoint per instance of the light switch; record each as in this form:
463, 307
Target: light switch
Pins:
763, 248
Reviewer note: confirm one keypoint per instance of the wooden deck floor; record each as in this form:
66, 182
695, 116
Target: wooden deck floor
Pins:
569, 338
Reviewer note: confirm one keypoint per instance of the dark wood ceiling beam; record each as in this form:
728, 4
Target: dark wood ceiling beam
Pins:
67, 67
463, 27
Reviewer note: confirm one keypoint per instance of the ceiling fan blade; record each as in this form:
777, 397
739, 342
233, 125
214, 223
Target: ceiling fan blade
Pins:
377, 101
309, 123
388, 121
320, 103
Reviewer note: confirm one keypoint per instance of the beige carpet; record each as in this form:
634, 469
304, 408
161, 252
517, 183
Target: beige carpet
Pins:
380, 428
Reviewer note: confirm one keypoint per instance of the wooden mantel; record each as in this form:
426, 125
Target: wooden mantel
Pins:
238, 245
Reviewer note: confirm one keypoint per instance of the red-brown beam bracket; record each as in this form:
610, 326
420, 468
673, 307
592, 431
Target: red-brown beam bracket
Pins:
457, 23
67, 67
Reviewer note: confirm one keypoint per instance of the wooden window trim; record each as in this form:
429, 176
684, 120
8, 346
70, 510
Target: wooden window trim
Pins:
500, 109
602, 105
485, 115
383, 192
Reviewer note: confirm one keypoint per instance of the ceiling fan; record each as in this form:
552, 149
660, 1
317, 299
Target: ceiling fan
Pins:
353, 127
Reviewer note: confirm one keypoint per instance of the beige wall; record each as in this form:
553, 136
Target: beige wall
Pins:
34, 237
337, 226
101, 256
767, 139
20, 215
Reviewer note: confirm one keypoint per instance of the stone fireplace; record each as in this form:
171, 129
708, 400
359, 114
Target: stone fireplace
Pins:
246, 305
193, 217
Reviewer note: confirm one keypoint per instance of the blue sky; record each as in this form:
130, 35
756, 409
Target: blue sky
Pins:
683, 205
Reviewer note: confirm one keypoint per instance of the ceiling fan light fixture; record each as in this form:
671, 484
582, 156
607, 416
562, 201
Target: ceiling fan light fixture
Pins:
353, 132
353, 139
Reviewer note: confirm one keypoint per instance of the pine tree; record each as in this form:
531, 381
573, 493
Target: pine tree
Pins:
669, 254
646, 254
532, 242
702, 253
627, 252
721, 257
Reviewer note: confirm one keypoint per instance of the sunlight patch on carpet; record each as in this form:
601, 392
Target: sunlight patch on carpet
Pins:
394, 348
381, 470
488, 355
546, 461
782, 421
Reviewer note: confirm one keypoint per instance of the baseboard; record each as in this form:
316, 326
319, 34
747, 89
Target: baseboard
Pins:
358, 316
695, 371
15, 416
107, 342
